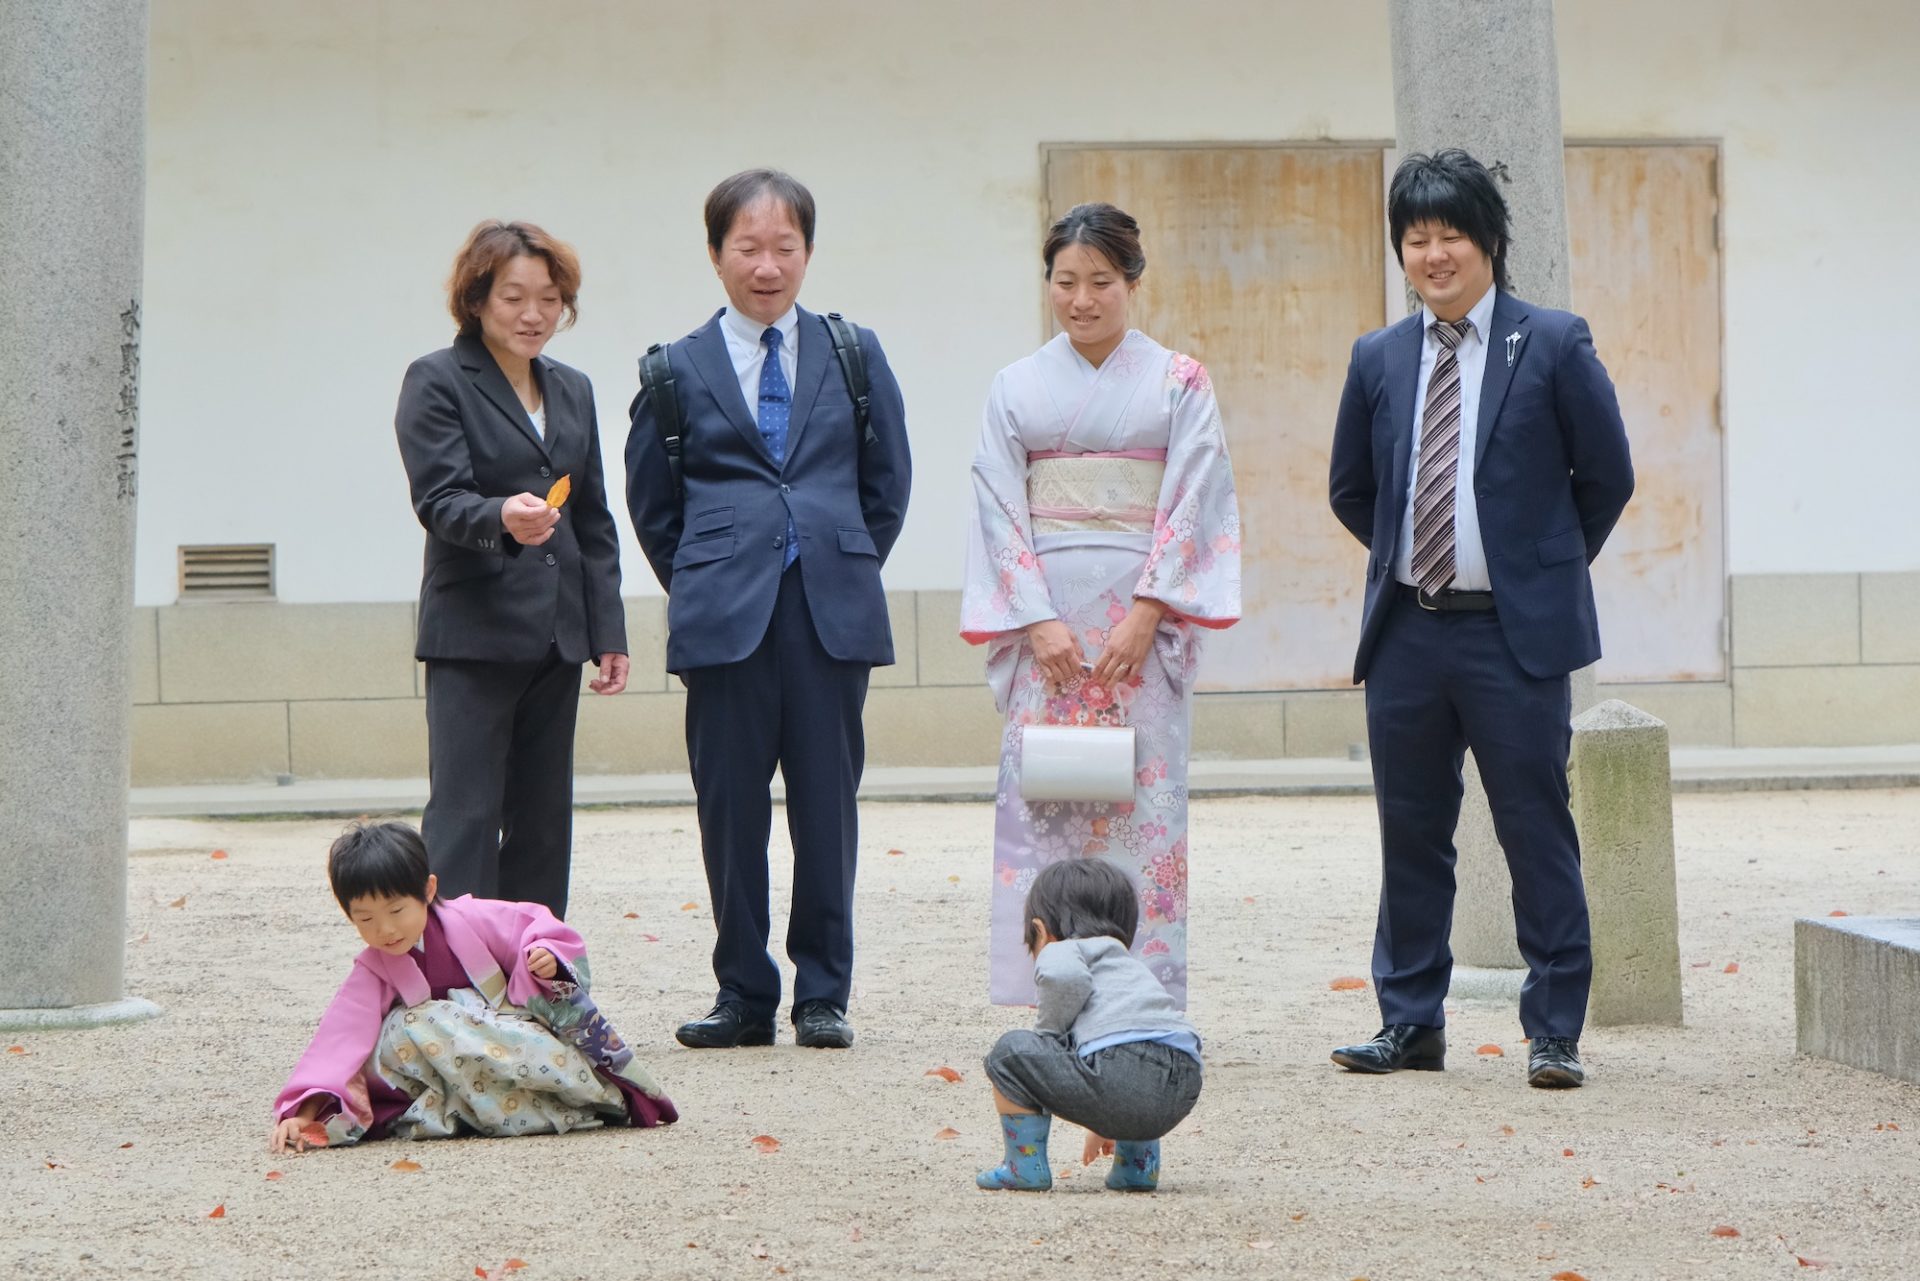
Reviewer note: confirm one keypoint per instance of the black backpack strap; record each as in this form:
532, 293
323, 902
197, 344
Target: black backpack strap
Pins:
853, 367
656, 381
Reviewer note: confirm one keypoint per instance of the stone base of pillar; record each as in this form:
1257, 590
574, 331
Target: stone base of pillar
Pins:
1482, 983
131, 1009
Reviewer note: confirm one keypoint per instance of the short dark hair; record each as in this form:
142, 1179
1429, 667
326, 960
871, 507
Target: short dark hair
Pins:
1083, 898
725, 202
1452, 188
387, 859
491, 246
1110, 232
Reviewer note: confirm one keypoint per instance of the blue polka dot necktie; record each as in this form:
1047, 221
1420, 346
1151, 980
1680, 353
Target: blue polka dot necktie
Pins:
776, 411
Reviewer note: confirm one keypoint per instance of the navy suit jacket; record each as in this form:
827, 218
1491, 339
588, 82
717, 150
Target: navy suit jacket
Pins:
720, 553
468, 444
1551, 475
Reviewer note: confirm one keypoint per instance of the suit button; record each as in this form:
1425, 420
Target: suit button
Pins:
551, 560
786, 489
545, 472
777, 542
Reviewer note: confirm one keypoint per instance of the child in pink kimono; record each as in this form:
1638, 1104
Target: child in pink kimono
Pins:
464, 1015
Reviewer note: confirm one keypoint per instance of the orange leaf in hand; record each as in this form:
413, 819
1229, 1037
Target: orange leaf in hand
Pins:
405, 1166
765, 1143
315, 1134
1348, 984
557, 496
946, 1132
1492, 1051
219, 1211
1726, 1230
944, 1073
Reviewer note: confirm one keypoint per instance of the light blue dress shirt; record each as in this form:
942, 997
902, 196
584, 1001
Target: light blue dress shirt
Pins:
1469, 554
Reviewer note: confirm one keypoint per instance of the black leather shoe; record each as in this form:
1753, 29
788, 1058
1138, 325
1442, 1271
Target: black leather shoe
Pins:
817, 1025
1397, 1046
728, 1024
1553, 1063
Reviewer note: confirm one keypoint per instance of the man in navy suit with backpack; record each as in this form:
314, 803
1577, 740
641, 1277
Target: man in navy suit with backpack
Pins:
767, 478
1480, 456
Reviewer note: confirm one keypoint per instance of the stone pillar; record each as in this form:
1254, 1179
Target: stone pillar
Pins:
1485, 75
73, 88
1623, 803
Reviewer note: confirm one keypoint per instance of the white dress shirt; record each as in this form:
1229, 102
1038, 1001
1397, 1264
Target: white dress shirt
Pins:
749, 353
1469, 554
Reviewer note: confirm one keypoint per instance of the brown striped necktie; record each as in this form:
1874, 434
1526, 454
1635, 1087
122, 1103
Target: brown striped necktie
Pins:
1433, 496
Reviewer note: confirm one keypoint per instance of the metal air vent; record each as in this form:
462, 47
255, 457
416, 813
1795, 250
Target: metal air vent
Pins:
233, 572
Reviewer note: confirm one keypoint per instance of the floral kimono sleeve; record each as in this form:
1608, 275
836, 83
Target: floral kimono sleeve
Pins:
1005, 590
1194, 566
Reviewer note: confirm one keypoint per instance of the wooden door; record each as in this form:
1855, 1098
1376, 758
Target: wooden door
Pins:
1645, 272
1263, 263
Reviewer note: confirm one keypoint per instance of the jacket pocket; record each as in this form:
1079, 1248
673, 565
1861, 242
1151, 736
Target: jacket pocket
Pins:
1564, 546
858, 542
710, 521
460, 569
707, 549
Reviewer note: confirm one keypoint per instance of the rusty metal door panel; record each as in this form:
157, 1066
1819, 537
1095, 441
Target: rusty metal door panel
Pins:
1645, 272
1263, 263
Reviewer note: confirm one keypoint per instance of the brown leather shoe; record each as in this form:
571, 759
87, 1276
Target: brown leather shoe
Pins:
1397, 1046
1553, 1063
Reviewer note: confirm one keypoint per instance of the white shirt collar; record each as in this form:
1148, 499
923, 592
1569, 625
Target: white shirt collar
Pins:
749, 331
1481, 316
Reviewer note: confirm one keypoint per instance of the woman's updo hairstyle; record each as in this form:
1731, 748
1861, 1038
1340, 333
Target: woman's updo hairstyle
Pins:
1110, 232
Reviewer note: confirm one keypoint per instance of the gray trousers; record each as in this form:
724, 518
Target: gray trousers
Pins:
1135, 1091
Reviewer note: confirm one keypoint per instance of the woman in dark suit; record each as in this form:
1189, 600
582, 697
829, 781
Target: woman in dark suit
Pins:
517, 591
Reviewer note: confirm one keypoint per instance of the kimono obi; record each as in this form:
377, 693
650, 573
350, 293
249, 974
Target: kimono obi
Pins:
1075, 493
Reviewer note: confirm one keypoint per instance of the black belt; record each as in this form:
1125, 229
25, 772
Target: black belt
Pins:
1447, 598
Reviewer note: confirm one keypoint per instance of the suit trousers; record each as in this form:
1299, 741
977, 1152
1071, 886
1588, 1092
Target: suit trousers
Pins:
1440, 683
789, 704
499, 816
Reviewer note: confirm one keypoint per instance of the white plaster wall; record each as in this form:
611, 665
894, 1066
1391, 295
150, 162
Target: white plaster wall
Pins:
313, 168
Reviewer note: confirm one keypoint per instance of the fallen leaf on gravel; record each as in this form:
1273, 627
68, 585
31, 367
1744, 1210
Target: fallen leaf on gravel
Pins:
1733, 967
143, 937
1838, 912
944, 1073
1566, 1151
514, 1265
404, 1166
1066, 1172
274, 1176
1492, 1050
946, 1132
219, 854
1259, 1245
1726, 1230
1247, 899
649, 938
954, 880
1298, 1217
315, 1134
1588, 1182
1886, 1125
1544, 1226
16, 1049
631, 916
780, 1269
1699, 965
1347, 984
218, 1211
1479, 1178
1507, 1130
126, 1145
896, 853
765, 1143
1567, 1276
55, 1165
480, 1272
179, 902
856, 1234
689, 907
1805, 1262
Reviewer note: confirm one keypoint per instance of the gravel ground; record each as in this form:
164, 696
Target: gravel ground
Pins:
118, 1146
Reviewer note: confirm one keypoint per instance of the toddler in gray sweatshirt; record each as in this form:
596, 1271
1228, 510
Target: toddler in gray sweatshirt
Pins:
1108, 1050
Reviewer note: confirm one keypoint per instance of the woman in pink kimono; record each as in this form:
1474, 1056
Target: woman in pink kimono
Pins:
1105, 538
463, 1015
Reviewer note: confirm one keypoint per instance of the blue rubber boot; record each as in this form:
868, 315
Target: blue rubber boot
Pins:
1025, 1169
1136, 1166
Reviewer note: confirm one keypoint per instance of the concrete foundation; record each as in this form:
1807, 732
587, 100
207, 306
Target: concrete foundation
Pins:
1856, 992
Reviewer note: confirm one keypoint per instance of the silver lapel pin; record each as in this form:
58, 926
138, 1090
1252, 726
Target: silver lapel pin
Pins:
1513, 347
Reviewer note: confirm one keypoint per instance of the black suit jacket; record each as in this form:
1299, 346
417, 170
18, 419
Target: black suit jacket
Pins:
468, 445
719, 554
1551, 475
